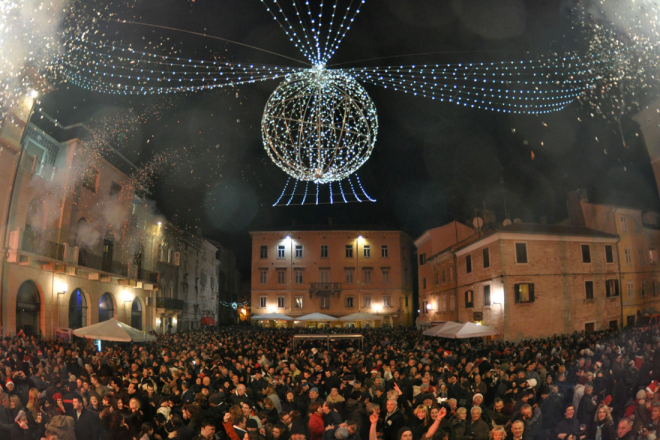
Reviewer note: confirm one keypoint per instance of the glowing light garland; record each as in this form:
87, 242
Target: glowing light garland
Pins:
320, 125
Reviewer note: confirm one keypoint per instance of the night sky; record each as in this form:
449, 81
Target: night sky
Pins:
433, 162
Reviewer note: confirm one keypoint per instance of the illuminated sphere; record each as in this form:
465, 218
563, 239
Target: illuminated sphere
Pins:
319, 125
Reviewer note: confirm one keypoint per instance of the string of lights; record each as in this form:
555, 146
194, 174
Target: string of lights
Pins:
325, 194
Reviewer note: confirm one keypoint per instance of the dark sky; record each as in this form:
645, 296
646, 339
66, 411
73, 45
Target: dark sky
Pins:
433, 162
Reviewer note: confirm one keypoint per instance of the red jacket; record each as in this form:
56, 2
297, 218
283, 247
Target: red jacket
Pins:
316, 426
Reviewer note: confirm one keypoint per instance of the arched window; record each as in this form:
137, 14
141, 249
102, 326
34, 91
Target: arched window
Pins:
28, 308
108, 249
136, 314
106, 307
34, 225
77, 309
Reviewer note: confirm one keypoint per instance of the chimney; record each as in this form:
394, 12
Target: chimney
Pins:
574, 205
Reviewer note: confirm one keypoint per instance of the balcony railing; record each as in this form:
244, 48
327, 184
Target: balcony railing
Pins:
325, 289
97, 262
147, 275
170, 303
46, 248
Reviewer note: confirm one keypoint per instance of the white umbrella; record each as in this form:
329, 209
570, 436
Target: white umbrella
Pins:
361, 316
434, 331
468, 330
322, 317
113, 330
273, 317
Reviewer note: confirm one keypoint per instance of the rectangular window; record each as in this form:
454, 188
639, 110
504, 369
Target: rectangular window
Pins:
366, 250
631, 289
263, 276
589, 290
324, 275
384, 252
524, 292
325, 302
263, 252
425, 308
90, 179
627, 255
349, 272
367, 301
281, 251
281, 276
586, 253
424, 283
486, 255
487, 295
624, 223
298, 302
280, 302
349, 251
436, 277
324, 251
444, 275
386, 301
609, 254
299, 251
385, 272
422, 259
611, 288
263, 300
115, 189
521, 253
349, 302
468, 264
366, 276
298, 275
469, 299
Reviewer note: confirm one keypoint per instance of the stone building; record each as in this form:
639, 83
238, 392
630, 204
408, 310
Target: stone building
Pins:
637, 250
335, 272
437, 272
76, 244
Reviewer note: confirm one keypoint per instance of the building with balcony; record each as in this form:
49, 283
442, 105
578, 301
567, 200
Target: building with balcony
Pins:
198, 271
637, 250
437, 272
335, 272
75, 248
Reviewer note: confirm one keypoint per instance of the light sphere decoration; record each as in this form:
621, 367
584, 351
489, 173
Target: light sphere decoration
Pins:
319, 125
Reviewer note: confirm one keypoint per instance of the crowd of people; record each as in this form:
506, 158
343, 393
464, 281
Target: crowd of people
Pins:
247, 383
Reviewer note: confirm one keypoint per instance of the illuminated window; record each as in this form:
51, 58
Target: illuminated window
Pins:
524, 292
298, 302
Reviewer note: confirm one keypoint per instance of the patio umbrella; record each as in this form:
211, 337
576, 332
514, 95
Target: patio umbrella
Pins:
322, 317
434, 331
273, 317
361, 316
468, 330
113, 330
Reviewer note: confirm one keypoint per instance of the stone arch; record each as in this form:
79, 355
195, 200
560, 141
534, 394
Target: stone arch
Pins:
79, 309
28, 308
107, 307
137, 313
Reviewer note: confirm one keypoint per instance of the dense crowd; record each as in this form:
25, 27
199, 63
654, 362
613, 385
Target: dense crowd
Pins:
245, 383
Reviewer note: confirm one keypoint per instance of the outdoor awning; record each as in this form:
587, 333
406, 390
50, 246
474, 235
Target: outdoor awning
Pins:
207, 320
272, 317
361, 316
113, 330
322, 317
468, 330
436, 330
